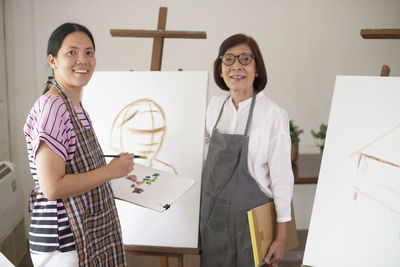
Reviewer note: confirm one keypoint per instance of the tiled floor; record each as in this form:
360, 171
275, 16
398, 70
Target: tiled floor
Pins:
292, 258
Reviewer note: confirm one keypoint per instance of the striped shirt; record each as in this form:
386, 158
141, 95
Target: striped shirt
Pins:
49, 121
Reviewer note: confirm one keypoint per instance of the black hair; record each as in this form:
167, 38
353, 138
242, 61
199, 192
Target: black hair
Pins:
57, 38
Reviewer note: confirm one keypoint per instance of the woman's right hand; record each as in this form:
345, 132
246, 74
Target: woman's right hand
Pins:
122, 166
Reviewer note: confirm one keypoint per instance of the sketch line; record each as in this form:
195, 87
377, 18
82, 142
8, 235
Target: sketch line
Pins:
358, 190
122, 129
375, 140
379, 160
169, 165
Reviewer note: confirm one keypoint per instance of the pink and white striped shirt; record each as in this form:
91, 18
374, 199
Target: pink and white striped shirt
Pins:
49, 122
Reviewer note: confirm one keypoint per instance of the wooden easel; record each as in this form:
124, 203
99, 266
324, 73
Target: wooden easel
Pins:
381, 34
182, 254
159, 35
385, 70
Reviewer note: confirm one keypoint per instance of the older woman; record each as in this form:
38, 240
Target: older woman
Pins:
248, 162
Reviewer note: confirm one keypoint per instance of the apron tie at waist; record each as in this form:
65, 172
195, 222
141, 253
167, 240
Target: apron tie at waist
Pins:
31, 200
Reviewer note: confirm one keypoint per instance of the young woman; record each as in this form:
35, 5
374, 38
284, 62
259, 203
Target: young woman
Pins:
74, 218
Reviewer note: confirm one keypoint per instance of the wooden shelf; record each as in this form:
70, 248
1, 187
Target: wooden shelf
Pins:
161, 250
306, 168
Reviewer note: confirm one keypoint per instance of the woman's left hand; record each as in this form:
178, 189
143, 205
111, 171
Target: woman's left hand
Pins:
277, 249
275, 252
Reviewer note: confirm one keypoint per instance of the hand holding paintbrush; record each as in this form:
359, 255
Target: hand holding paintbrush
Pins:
124, 160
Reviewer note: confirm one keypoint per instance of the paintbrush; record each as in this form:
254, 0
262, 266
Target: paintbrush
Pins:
117, 156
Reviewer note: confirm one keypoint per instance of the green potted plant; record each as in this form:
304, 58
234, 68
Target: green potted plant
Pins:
320, 136
295, 132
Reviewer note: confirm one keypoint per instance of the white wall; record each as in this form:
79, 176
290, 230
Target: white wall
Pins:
305, 45
21, 81
4, 125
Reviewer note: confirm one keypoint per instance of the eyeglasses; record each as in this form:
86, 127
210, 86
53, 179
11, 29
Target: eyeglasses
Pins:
244, 58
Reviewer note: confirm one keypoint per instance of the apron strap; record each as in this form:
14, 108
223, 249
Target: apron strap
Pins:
69, 105
74, 118
220, 112
253, 101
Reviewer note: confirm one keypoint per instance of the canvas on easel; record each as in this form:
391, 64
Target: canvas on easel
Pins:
356, 214
262, 223
159, 114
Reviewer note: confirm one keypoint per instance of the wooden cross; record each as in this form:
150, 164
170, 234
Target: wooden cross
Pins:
159, 35
381, 34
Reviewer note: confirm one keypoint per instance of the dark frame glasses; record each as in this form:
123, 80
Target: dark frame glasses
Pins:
243, 58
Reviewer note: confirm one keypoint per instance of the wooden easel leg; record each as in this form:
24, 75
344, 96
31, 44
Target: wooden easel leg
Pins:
385, 70
158, 42
164, 261
156, 55
180, 261
191, 260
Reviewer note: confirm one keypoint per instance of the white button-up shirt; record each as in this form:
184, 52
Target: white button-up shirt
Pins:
269, 159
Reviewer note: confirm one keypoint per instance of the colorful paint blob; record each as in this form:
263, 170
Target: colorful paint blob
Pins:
141, 184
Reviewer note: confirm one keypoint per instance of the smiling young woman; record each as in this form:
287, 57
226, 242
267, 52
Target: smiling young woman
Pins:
74, 218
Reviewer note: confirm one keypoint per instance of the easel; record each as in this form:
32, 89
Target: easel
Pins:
182, 254
159, 35
381, 34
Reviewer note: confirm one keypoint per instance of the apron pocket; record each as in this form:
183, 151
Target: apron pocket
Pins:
99, 199
100, 234
214, 212
217, 232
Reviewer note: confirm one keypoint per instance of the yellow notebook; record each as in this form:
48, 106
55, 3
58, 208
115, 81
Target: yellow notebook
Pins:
262, 223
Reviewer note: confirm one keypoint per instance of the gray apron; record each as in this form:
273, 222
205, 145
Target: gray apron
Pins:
228, 192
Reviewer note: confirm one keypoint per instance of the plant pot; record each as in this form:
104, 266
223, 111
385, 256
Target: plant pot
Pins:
295, 152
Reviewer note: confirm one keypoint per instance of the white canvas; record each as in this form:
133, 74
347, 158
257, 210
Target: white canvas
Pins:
168, 107
153, 189
356, 214
4, 261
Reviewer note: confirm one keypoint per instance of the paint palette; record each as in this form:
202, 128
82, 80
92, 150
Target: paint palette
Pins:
154, 189
140, 185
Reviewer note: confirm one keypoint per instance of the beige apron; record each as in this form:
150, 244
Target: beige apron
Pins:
93, 216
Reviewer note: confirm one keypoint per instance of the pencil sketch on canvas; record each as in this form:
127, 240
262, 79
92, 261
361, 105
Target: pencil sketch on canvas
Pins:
356, 212
378, 171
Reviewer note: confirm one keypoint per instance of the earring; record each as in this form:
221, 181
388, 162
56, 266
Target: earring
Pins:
256, 74
221, 75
